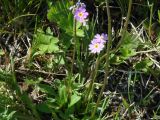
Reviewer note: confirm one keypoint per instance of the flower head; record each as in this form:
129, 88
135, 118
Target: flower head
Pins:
97, 44
101, 38
96, 47
80, 14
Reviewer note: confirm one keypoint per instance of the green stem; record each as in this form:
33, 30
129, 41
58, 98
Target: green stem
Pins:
69, 88
125, 26
105, 82
93, 77
14, 82
150, 19
106, 56
74, 51
23, 96
123, 32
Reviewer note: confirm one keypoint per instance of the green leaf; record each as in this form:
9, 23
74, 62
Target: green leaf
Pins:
59, 60
43, 107
45, 42
62, 95
125, 103
10, 115
143, 65
1, 52
127, 53
31, 81
129, 46
80, 33
60, 14
53, 47
46, 89
159, 16
74, 99
78, 24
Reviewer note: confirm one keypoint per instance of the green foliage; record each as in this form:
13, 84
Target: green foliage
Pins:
159, 16
143, 65
123, 4
74, 99
6, 115
125, 103
129, 46
45, 42
19, 14
59, 12
127, 49
43, 107
13, 86
1, 52
64, 80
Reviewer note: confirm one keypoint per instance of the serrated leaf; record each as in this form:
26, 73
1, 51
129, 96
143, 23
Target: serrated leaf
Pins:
143, 65
129, 46
60, 14
80, 33
59, 60
53, 47
45, 42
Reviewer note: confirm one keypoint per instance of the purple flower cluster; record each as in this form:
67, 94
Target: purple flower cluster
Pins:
97, 44
80, 13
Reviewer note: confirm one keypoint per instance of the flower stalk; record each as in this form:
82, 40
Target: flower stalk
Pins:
93, 77
125, 27
106, 56
105, 82
123, 32
74, 49
96, 46
150, 19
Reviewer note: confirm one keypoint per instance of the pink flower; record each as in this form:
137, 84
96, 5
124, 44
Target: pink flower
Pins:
101, 38
80, 14
97, 44
96, 47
